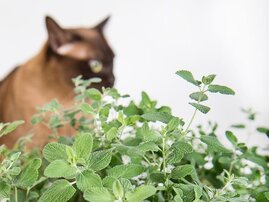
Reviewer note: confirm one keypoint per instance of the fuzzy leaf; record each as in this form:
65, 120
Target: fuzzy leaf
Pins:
187, 75
83, 145
98, 194
54, 151
214, 144
60, 191
93, 94
197, 96
157, 116
208, 79
100, 159
88, 179
86, 108
202, 108
220, 89
59, 168
5, 189
182, 171
10, 127
141, 193
112, 133
177, 151
126, 171
117, 189
29, 174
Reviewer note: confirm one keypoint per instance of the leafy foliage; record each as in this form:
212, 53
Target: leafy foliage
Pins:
133, 152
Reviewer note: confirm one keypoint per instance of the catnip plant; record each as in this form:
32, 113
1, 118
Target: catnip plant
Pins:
130, 152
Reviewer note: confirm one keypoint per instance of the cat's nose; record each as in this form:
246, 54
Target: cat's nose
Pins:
110, 81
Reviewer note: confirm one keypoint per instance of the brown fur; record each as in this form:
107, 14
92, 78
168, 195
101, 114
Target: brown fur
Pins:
48, 75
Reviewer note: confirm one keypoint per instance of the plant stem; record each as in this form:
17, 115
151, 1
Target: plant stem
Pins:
164, 154
16, 194
195, 111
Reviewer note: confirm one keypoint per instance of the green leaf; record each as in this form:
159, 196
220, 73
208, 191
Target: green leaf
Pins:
182, 171
98, 194
53, 151
88, 179
5, 189
148, 134
29, 174
231, 137
141, 193
14, 171
117, 189
198, 96
178, 150
86, 108
187, 75
83, 145
10, 127
100, 159
238, 126
208, 79
214, 144
60, 168
157, 177
173, 124
60, 191
148, 146
125, 171
202, 108
220, 89
263, 130
93, 94
112, 133
157, 116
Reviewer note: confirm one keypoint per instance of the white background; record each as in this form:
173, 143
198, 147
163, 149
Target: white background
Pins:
153, 38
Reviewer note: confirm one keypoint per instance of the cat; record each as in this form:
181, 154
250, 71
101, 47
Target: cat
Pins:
66, 54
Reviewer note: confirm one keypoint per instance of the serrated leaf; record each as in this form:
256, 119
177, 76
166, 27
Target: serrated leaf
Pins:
60, 168
208, 79
117, 189
88, 179
177, 151
5, 189
98, 194
29, 174
53, 151
157, 116
182, 171
100, 159
112, 133
220, 89
14, 171
198, 96
60, 191
173, 124
125, 171
231, 137
141, 193
202, 108
83, 145
86, 108
187, 75
214, 144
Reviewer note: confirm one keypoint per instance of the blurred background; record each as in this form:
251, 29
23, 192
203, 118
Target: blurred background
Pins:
153, 39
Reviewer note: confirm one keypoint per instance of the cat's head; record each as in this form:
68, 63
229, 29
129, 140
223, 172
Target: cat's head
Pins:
86, 48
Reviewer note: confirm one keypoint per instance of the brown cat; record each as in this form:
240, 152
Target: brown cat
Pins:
66, 54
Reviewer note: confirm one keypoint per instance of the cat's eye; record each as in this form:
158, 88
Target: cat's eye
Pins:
96, 66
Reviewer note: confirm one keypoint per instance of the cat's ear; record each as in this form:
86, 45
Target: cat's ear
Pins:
57, 35
100, 26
